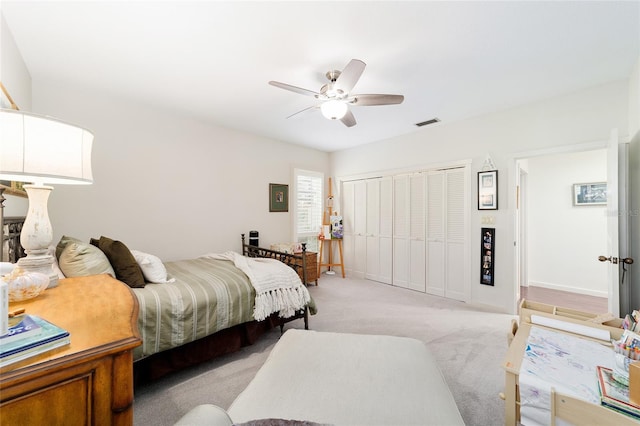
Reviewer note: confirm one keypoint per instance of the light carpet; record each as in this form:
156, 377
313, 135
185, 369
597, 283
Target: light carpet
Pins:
469, 343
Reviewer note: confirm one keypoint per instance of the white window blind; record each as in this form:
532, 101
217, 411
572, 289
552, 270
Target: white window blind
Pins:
309, 207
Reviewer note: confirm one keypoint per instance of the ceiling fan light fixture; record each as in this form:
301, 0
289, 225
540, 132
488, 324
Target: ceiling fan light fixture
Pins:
333, 110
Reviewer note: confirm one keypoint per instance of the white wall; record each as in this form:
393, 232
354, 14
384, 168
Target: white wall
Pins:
166, 184
634, 99
582, 117
562, 235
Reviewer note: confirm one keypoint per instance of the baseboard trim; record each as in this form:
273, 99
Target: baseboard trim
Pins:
587, 292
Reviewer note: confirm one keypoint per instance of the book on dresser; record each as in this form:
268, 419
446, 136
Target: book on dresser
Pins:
20, 327
48, 337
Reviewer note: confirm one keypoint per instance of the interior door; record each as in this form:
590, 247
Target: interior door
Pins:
612, 224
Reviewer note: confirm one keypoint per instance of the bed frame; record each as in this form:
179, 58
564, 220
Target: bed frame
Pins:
10, 249
296, 261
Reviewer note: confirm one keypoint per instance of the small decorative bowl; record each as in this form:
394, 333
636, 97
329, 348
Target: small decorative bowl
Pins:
25, 286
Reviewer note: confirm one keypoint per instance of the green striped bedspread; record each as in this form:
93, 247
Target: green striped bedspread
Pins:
208, 295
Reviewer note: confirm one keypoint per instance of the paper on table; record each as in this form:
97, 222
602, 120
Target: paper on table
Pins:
583, 330
563, 361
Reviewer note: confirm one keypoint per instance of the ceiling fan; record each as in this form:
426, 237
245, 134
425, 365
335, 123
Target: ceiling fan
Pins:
336, 95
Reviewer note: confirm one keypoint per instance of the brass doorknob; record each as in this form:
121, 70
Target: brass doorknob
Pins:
611, 259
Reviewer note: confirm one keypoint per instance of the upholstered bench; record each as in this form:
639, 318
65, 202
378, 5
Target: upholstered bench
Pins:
341, 379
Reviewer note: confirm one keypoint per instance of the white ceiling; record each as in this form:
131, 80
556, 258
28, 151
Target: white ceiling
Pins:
213, 59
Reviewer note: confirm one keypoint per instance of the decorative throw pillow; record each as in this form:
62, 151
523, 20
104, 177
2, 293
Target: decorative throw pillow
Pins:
80, 259
63, 243
123, 262
152, 267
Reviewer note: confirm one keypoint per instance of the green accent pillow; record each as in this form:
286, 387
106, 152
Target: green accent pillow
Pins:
79, 259
123, 262
63, 243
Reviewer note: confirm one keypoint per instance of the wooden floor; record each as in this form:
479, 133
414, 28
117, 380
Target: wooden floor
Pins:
582, 302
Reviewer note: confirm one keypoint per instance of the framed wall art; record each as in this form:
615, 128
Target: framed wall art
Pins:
590, 194
13, 188
278, 197
488, 190
487, 255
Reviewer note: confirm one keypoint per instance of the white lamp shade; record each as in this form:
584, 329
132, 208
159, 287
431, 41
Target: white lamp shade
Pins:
41, 149
333, 110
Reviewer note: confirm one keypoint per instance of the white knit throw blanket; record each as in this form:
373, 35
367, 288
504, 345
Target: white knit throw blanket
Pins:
278, 287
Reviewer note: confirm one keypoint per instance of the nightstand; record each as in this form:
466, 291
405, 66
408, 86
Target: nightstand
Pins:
311, 266
89, 381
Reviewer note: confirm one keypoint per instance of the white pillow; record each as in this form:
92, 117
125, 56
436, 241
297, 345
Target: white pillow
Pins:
152, 268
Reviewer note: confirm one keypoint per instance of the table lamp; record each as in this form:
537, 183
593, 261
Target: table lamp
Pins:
41, 150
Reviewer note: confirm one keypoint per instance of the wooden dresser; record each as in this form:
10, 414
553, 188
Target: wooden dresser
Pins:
90, 381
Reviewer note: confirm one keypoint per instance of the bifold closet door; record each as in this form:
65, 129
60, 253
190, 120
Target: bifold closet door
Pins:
455, 242
379, 255
436, 196
354, 196
446, 224
348, 241
385, 274
409, 247
373, 230
360, 228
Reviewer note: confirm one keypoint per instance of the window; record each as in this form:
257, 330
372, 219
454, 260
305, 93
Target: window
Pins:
308, 207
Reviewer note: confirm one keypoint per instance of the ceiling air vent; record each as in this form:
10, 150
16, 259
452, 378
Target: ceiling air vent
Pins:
426, 123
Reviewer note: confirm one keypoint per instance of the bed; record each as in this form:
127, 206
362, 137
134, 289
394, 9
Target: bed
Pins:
207, 311
199, 309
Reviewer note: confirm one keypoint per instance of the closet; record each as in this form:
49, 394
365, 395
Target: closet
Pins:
410, 230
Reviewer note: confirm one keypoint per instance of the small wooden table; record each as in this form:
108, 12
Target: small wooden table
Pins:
311, 267
89, 381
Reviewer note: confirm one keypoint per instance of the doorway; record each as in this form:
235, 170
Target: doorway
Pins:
558, 240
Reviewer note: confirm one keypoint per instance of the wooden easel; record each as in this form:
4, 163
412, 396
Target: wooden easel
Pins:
326, 220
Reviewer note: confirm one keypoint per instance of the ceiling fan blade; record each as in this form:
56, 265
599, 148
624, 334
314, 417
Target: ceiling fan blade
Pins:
348, 120
368, 100
350, 75
294, 89
295, 114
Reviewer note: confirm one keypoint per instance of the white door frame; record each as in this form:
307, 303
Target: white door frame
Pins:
624, 237
521, 227
514, 212
613, 247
